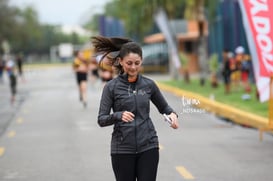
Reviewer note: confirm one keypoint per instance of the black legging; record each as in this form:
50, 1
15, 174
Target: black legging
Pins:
13, 83
141, 166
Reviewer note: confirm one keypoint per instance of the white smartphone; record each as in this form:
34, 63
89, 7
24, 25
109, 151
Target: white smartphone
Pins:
167, 119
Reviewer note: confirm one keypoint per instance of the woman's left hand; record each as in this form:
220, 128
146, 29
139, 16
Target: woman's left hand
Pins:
174, 120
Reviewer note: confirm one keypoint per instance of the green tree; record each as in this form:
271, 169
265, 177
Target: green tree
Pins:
21, 28
137, 15
29, 30
7, 19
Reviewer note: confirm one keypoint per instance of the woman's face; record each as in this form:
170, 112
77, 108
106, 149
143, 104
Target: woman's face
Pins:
131, 64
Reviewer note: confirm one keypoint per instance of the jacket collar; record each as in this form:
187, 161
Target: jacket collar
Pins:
124, 77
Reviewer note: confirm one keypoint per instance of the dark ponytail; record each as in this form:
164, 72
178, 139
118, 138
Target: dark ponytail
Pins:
110, 47
114, 48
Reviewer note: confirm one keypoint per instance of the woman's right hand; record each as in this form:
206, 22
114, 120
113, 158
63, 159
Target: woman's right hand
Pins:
127, 116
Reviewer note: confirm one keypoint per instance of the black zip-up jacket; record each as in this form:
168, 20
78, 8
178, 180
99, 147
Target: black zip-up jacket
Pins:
120, 95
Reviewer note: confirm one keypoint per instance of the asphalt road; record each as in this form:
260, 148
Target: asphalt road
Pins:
47, 135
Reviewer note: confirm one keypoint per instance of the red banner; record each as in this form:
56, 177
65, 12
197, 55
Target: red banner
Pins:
260, 17
258, 23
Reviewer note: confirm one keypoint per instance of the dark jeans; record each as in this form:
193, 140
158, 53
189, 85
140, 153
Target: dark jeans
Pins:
141, 166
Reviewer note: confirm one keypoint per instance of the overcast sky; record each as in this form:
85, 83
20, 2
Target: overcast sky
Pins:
65, 12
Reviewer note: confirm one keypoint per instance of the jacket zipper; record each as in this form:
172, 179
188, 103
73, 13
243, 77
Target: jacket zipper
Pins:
135, 93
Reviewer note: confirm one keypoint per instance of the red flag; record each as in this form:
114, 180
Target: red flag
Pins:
258, 23
260, 18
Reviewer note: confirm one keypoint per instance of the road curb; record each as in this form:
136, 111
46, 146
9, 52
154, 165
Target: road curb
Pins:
234, 114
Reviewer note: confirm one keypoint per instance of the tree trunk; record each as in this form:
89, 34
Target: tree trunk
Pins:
202, 59
202, 43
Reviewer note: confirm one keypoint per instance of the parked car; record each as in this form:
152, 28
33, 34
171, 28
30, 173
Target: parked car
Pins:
156, 63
